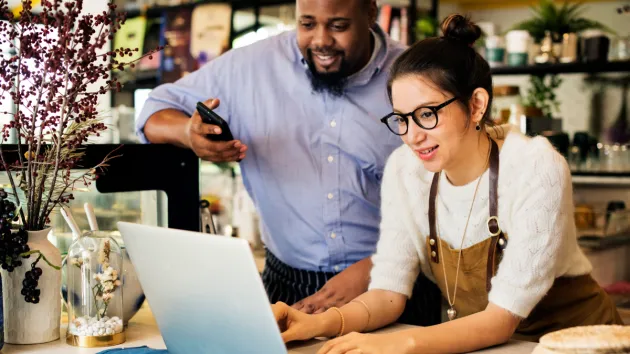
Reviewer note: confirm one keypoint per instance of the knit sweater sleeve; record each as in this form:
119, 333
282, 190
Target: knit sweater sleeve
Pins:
540, 228
395, 263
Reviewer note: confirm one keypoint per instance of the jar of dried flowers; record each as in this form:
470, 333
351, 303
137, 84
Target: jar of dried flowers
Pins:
95, 307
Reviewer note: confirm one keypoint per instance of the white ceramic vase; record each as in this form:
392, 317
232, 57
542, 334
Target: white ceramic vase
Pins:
27, 323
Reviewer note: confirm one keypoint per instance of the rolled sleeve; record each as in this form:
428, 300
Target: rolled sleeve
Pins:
183, 95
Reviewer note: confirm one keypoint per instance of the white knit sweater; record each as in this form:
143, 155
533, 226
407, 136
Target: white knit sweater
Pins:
535, 211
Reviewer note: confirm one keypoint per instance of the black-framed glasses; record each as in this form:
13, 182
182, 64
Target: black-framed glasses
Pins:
426, 117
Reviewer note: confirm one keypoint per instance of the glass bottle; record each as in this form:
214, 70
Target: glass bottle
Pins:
95, 307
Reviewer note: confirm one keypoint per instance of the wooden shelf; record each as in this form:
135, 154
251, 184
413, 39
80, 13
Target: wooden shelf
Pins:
602, 180
476, 5
605, 242
141, 79
563, 68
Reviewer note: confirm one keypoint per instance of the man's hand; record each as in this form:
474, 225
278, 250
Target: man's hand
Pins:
339, 290
214, 151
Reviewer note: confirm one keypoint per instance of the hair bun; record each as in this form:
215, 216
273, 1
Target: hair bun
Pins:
459, 28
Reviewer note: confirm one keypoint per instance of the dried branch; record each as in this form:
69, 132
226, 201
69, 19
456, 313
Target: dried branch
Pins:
60, 54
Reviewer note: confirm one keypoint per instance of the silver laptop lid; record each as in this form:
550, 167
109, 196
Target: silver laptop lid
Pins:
204, 290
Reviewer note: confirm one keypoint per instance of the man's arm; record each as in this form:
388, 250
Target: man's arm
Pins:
169, 115
168, 126
340, 289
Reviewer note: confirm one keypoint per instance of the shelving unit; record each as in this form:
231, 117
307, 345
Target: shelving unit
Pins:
564, 68
601, 179
579, 178
157, 11
150, 79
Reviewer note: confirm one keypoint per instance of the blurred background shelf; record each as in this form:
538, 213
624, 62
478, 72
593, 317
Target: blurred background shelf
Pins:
158, 11
564, 68
620, 180
603, 243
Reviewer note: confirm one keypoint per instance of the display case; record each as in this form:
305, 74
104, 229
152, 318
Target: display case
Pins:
149, 184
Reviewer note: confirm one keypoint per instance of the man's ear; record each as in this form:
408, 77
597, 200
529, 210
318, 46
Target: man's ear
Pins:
372, 12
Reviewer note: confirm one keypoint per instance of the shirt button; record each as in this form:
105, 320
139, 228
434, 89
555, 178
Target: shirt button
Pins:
336, 268
330, 196
330, 159
333, 235
333, 123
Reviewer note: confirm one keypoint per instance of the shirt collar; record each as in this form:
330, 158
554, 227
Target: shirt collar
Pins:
369, 69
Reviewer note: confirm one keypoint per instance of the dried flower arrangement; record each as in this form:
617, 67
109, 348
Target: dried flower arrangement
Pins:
54, 61
103, 289
107, 281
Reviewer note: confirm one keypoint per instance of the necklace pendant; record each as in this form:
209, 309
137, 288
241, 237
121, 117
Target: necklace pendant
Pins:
452, 313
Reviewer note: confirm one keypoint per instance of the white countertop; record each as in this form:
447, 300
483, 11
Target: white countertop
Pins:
143, 330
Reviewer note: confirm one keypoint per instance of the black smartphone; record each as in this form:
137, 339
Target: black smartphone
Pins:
209, 117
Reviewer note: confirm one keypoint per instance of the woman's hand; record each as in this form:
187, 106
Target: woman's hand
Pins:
295, 324
356, 343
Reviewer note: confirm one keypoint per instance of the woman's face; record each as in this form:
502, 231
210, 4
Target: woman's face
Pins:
442, 146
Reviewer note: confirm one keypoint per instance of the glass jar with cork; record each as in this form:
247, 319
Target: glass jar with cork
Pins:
94, 301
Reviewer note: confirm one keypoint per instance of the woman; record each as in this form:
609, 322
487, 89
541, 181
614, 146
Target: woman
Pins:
486, 213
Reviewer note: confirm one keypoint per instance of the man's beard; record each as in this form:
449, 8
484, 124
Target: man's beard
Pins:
334, 82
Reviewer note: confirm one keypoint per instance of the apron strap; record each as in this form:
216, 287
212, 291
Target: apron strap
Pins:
498, 239
433, 242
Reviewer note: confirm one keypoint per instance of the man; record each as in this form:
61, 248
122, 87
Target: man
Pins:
304, 108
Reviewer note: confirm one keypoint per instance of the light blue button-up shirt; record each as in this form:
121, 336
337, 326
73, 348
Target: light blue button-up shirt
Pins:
314, 162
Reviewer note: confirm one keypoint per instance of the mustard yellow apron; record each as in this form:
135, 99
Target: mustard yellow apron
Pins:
571, 301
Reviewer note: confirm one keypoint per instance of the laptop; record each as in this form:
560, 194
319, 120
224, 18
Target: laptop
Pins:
204, 290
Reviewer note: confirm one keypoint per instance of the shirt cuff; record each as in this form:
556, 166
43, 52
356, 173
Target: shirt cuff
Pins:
400, 281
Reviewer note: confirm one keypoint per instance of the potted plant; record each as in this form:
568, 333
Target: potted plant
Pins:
52, 73
541, 100
558, 20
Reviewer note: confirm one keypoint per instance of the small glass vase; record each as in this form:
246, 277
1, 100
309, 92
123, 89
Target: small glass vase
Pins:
95, 300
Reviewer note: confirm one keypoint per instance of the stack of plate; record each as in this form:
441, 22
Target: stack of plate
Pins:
602, 339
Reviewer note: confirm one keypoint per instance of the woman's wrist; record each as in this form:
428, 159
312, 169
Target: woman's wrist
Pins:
330, 323
407, 340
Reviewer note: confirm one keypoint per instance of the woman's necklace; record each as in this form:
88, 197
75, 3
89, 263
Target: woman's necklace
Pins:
451, 312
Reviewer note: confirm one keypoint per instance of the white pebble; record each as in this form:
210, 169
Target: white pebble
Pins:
90, 326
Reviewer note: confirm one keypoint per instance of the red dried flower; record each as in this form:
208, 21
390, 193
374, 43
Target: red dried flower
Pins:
59, 55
